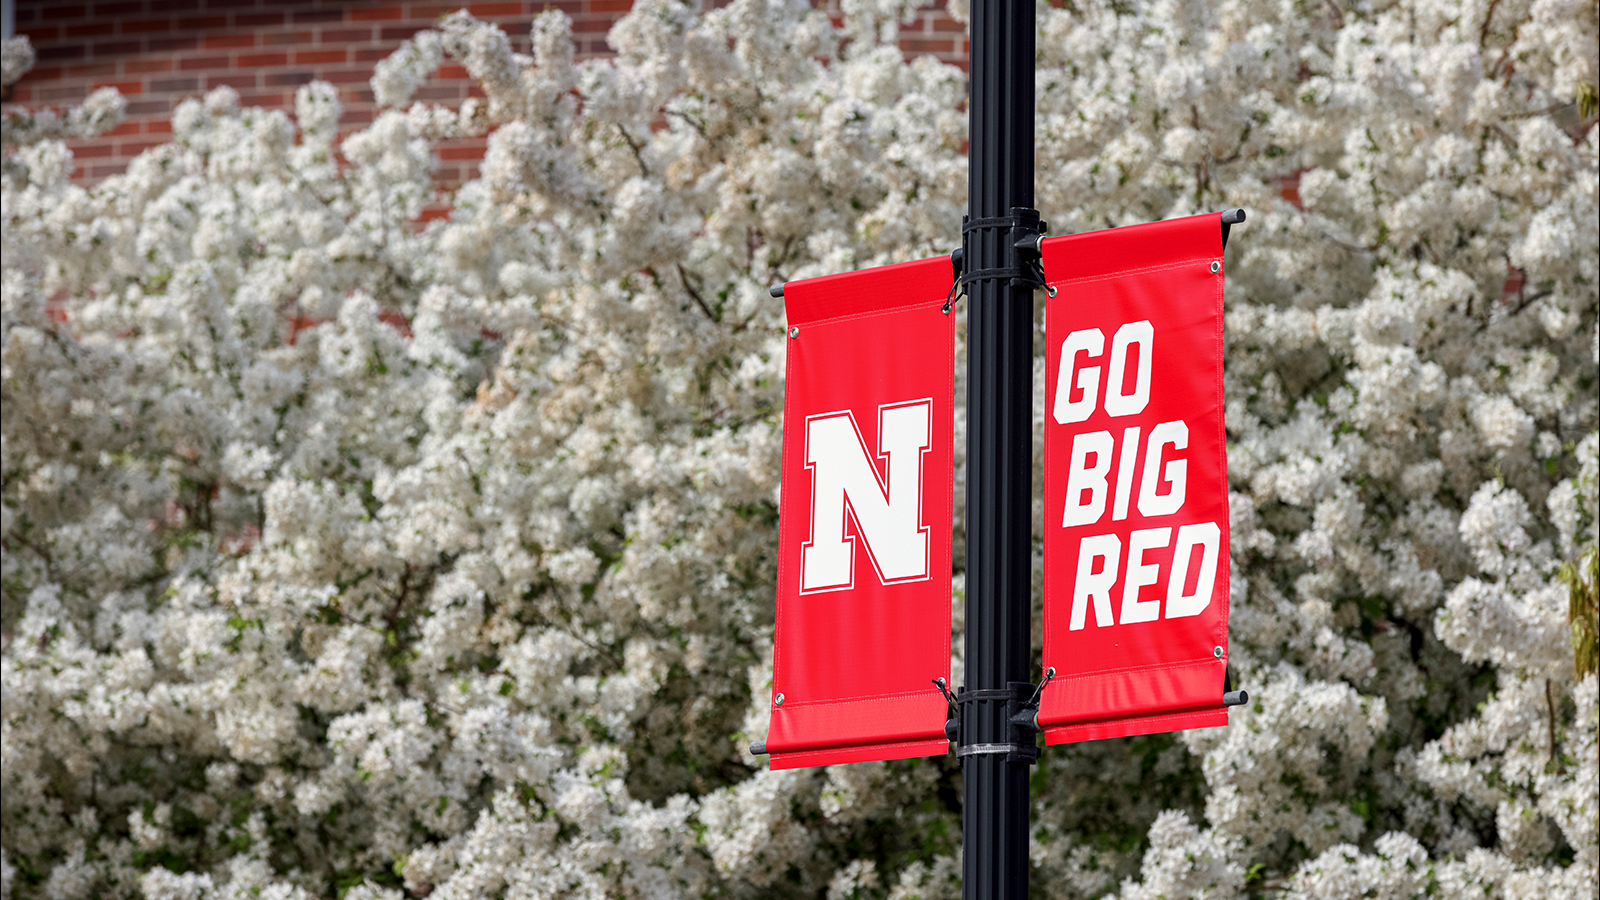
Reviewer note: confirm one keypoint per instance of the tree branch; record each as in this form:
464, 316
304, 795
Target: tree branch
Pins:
683, 276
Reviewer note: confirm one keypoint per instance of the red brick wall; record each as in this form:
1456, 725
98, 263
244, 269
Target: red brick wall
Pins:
161, 52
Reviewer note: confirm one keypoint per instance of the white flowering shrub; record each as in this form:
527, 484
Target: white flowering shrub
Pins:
346, 556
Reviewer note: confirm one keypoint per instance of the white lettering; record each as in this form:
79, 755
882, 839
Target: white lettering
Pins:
1093, 342
845, 482
1083, 479
1092, 585
1208, 537
1139, 575
1175, 433
1142, 335
1125, 460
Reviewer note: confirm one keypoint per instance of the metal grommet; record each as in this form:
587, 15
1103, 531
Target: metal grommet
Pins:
794, 332
1215, 651
1215, 267
778, 700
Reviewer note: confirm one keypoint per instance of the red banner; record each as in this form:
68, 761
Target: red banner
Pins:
1136, 491
863, 617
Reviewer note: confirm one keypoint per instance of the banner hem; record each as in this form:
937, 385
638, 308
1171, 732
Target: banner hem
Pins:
861, 753
1132, 727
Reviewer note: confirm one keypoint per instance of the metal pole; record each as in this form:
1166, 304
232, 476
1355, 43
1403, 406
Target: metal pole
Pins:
994, 827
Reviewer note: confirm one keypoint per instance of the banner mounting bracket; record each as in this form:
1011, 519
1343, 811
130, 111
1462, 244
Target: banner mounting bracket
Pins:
1230, 217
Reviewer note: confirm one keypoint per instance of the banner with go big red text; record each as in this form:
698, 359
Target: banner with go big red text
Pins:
863, 601
1136, 493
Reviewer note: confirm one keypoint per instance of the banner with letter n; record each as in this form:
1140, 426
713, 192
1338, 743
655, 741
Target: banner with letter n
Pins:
1136, 491
863, 601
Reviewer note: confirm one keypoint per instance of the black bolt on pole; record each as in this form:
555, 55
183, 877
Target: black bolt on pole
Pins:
995, 764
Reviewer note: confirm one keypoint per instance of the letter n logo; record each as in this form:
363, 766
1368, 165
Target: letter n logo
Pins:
846, 482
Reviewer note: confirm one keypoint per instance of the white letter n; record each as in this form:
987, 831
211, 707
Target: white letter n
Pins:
845, 481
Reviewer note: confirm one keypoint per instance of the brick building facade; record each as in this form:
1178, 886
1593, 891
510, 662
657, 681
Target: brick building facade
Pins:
161, 52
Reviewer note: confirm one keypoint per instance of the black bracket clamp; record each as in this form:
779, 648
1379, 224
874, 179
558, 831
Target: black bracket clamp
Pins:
1024, 234
1022, 702
1028, 717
